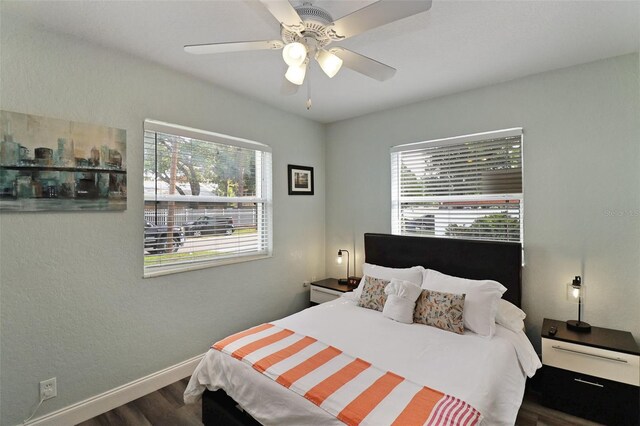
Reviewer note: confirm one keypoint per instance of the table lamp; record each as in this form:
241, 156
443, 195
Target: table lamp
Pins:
339, 260
575, 293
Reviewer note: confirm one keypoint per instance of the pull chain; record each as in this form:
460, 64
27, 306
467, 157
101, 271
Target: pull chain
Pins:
309, 88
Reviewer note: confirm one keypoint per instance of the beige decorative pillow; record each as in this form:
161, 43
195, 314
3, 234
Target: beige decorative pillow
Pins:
373, 295
442, 310
480, 302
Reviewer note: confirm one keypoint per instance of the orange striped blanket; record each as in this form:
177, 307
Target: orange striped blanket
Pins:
351, 389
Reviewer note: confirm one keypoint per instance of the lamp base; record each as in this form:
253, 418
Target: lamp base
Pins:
343, 281
579, 326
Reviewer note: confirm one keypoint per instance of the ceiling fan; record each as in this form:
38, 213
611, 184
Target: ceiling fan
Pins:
308, 30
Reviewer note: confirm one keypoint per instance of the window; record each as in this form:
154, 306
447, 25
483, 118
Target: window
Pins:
464, 187
207, 199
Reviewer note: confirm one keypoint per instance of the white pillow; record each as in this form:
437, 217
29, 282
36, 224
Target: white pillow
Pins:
401, 300
510, 316
480, 302
413, 274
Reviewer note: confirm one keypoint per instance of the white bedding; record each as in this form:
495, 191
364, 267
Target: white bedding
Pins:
489, 374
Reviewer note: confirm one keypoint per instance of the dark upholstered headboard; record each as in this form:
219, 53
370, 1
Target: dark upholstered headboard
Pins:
478, 260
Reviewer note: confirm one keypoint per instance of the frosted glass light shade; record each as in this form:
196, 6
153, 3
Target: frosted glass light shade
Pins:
339, 259
294, 54
295, 74
329, 63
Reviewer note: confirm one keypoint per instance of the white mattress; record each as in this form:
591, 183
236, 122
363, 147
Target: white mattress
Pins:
489, 374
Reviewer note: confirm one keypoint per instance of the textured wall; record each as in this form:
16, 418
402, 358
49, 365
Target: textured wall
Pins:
73, 303
581, 179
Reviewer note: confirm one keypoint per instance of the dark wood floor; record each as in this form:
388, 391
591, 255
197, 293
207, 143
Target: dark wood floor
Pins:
533, 414
166, 408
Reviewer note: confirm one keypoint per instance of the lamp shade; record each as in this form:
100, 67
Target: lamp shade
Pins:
295, 74
575, 291
294, 54
329, 63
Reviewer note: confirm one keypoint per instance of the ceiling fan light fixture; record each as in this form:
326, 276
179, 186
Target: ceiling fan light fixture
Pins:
329, 63
306, 30
294, 54
295, 74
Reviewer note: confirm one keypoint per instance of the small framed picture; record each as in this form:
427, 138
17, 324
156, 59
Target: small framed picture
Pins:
300, 180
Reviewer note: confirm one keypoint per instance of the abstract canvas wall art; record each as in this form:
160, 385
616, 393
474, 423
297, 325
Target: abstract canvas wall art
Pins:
50, 164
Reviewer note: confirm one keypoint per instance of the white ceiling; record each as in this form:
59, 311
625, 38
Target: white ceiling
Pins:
455, 46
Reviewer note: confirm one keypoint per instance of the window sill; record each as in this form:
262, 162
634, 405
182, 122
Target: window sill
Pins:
175, 269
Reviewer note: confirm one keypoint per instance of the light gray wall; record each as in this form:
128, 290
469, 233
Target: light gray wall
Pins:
581, 181
73, 303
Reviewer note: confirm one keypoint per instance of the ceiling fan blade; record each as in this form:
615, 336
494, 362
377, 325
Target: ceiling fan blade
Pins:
284, 13
363, 65
376, 14
238, 46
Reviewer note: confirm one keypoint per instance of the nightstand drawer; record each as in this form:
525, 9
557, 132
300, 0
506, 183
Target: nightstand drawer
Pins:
590, 397
321, 294
612, 365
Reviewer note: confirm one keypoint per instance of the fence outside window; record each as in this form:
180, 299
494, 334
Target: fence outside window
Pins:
207, 197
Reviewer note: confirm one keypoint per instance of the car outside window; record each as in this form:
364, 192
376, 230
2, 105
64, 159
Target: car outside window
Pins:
207, 199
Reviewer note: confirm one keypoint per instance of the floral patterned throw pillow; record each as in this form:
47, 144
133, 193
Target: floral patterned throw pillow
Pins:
373, 295
442, 310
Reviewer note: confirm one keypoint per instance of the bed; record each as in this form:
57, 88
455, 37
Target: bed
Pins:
489, 374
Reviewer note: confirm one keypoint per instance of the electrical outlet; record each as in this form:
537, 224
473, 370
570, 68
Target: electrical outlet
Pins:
48, 389
306, 283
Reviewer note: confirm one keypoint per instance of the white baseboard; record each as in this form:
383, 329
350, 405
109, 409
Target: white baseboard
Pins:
94, 406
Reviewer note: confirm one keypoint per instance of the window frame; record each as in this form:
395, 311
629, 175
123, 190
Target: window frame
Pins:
263, 198
396, 181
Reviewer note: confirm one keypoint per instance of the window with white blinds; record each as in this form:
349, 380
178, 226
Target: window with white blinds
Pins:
464, 187
207, 199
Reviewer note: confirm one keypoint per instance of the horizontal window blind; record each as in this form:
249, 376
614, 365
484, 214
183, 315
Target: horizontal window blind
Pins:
207, 199
468, 187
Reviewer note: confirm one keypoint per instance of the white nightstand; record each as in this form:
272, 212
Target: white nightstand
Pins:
327, 290
595, 375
